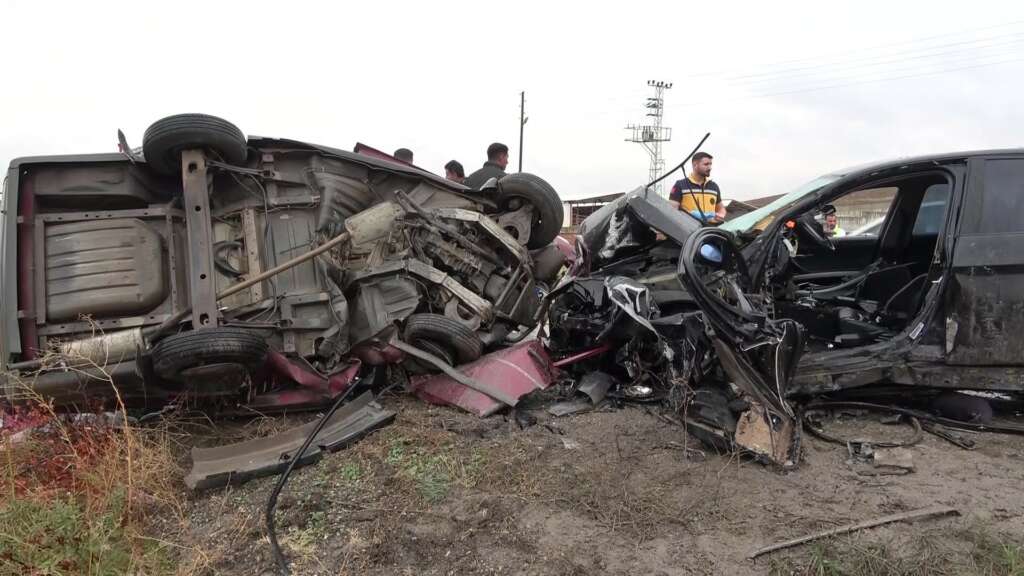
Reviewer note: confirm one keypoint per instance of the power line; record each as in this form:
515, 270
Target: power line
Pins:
877, 80
861, 50
874, 81
875, 61
867, 74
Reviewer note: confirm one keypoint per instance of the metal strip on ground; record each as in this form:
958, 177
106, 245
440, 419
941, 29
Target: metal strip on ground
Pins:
242, 461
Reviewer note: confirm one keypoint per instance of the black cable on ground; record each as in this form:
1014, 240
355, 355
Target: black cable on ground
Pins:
275, 548
1004, 428
811, 427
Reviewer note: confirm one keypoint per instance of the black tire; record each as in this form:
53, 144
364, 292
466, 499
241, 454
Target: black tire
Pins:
454, 336
166, 138
547, 206
226, 344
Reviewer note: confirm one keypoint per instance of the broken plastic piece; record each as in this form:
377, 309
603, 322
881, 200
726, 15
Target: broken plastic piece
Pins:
768, 435
711, 254
242, 461
595, 385
899, 460
570, 407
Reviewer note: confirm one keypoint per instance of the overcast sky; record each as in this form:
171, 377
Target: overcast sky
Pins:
788, 90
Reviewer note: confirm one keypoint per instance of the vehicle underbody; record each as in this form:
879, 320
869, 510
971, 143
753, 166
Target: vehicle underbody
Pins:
191, 281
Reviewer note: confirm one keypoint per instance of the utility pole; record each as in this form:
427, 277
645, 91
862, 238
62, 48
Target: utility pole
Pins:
522, 122
651, 135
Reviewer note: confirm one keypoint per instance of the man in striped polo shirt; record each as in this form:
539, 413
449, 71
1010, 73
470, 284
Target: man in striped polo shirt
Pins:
697, 194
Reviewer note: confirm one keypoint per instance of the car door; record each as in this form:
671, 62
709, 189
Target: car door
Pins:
985, 306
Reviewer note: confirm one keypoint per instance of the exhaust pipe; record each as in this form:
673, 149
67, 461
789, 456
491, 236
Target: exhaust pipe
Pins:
101, 350
106, 349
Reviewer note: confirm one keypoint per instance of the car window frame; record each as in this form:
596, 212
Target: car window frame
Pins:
885, 218
955, 172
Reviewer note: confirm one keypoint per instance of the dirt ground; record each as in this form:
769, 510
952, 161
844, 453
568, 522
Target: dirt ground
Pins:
613, 491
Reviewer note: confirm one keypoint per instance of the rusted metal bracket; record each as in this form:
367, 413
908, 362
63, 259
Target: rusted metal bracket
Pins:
252, 251
202, 291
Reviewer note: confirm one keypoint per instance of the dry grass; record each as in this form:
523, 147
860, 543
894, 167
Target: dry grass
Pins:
631, 506
81, 496
419, 462
974, 551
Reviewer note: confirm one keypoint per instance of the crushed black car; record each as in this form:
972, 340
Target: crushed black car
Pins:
740, 326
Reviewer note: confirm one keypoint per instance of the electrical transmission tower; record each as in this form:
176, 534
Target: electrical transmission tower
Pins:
650, 135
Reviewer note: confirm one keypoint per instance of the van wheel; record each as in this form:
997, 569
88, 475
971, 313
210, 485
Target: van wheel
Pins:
223, 345
515, 189
432, 331
166, 138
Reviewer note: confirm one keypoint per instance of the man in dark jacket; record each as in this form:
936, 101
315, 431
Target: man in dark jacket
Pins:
497, 160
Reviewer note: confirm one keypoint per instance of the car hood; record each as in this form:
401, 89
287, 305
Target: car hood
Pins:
631, 223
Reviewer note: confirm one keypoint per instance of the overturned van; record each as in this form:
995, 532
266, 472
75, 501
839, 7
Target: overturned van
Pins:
256, 272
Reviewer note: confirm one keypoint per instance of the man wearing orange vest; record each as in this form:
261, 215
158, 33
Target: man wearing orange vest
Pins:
697, 194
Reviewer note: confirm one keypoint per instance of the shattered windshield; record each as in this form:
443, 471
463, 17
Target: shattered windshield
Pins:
763, 217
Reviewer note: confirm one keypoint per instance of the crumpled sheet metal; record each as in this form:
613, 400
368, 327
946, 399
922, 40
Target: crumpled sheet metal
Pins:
631, 221
634, 299
314, 390
771, 437
242, 461
333, 385
592, 389
516, 371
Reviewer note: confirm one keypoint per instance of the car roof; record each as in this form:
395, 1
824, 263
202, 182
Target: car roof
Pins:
945, 157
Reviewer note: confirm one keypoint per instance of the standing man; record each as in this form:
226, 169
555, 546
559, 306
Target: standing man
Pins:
403, 154
832, 227
454, 172
697, 194
497, 160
